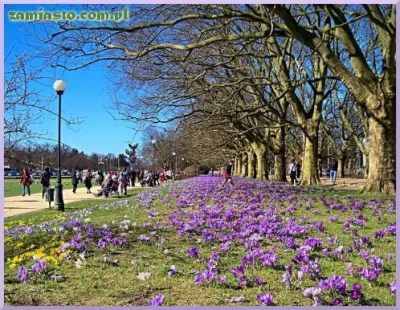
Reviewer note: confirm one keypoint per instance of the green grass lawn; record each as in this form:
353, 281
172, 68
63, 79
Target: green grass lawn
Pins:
13, 188
98, 283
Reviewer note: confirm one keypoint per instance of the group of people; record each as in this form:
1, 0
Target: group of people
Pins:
27, 180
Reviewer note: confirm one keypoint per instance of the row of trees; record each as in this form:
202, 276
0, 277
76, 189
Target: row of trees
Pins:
38, 156
264, 83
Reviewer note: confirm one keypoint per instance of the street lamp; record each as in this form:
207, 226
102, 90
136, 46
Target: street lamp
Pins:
154, 154
174, 167
59, 87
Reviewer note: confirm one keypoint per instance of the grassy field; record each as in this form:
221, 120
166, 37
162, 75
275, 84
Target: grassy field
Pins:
13, 188
155, 241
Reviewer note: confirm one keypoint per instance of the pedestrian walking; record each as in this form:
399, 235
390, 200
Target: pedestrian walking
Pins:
74, 181
125, 175
141, 176
228, 174
45, 180
320, 169
26, 181
298, 170
101, 177
88, 181
292, 172
122, 183
333, 166
133, 177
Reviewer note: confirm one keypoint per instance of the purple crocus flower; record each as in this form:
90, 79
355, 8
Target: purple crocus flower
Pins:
337, 283
365, 240
350, 269
378, 235
370, 274
39, 266
193, 252
291, 242
355, 293
311, 292
23, 275
364, 254
333, 218
376, 262
222, 279
259, 281
337, 301
392, 287
157, 301
101, 244
313, 242
172, 271
199, 278
265, 299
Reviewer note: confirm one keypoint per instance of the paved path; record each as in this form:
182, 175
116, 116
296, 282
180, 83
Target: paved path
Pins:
345, 183
18, 205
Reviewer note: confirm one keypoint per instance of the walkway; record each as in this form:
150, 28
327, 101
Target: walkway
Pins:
18, 205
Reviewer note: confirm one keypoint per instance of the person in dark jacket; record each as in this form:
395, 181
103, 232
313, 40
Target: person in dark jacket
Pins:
88, 181
292, 172
133, 177
320, 169
45, 180
298, 170
74, 181
333, 166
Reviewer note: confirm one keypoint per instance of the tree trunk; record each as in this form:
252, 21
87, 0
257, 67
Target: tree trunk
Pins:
239, 166
280, 168
340, 172
366, 167
244, 166
235, 168
382, 155
310, 162
261, 151
250, 170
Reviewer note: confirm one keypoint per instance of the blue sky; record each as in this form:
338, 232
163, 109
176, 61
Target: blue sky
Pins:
86, 96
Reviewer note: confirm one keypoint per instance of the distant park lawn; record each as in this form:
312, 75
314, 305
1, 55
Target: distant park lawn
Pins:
13, 188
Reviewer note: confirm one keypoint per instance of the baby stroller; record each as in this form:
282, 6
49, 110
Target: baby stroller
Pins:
147, 180
110, 186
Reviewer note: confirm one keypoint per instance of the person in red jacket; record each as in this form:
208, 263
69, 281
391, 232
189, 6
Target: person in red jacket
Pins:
26, 180
228, 174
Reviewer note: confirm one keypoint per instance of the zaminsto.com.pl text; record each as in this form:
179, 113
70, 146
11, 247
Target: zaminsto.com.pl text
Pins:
42, 15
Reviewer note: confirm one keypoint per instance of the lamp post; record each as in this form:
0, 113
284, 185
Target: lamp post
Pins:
154, 154
59, 87
174, 167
